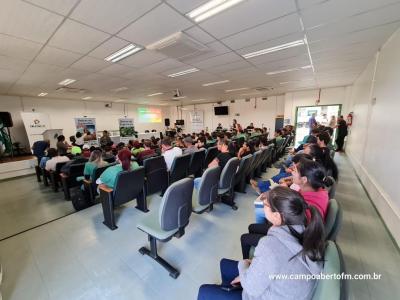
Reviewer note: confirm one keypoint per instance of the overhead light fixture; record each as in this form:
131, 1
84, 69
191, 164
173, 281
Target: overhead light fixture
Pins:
120, 100
234, 90
124, 88
179, 97
274, 49
155, 94
215, 83
67, 81
86, 98
123, 53
289, 70
183, 72
211, 8
42, 94
198, 100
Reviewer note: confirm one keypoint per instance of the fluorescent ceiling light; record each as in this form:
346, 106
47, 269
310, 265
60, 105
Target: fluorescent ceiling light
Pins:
120, 100
123, 53
289, 70
180, 97
197, 100
155, 94
42, 94
234, 90
274, 49
67, 81
216, 82
183, 72
124, 88
211, 8
86, 98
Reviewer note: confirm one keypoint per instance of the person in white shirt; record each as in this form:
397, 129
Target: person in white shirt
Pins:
51, 163
169, 152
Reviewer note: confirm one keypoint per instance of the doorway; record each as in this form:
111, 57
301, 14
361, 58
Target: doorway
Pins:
323, 114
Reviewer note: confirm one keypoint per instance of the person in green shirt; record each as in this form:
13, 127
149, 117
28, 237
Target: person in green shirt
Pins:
137, 148
109, 176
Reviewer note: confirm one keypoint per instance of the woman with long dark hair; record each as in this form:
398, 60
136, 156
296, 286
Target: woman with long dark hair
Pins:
322, 155
293, 246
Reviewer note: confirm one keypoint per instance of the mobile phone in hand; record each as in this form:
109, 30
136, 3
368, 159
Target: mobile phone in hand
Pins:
229, 288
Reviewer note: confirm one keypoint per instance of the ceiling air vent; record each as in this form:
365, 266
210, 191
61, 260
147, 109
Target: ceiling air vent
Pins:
67, 89
178, 45
264, 89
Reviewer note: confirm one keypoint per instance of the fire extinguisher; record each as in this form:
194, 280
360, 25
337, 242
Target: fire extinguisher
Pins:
349, 119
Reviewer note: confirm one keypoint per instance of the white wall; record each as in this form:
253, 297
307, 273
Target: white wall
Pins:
335, 95
63, 112
260, 112
373, 144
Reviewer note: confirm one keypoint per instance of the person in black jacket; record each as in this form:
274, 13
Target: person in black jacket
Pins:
341, 133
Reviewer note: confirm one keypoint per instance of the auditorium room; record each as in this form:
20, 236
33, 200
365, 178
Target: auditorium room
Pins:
199, 149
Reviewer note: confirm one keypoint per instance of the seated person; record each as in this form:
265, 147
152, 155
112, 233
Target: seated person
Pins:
201, 142
250, 127
108, 153
169, 152
310, 179
76, 159
189, 147
62, 145
223, 156
322, 155
147, 152
79, 139
39, 148
244, 150
109, 176
263, 186
219, 127
292, 246
136, 148
51, 163
51, 152
95, 161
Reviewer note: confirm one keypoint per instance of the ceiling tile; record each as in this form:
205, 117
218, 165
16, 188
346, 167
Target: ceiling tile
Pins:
246, 15
155, 25
356, 23
335, 10
142, 58
76, 37
12, 65
200, 35
58, 57
268, 31
242, 64
26, 21
117, 70
214, 49
17, 47
90, 64
108, 47
59, 6
283, 54
307, 3
222, 59
185, 6
164, 65
111, 16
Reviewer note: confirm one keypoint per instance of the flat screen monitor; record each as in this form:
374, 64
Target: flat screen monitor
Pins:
221, 110
180, 122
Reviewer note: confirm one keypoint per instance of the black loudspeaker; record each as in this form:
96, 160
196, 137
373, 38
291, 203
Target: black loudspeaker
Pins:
166, 122
5, 118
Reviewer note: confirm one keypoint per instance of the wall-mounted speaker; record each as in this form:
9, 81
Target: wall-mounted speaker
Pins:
166, 122
5, 118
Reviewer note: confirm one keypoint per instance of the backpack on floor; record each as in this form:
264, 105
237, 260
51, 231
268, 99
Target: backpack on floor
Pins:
80, 198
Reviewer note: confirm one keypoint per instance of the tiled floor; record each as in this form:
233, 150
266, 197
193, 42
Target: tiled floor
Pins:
77, 257
25, 203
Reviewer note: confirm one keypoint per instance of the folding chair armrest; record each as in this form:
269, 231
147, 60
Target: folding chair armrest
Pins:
105, 188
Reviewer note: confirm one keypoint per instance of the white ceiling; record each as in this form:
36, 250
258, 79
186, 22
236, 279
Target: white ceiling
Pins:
45, 41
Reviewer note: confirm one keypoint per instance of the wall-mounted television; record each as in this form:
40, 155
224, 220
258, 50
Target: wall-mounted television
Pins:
180, 122
221, 110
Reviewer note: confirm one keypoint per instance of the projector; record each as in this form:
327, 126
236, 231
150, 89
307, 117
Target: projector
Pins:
177, 93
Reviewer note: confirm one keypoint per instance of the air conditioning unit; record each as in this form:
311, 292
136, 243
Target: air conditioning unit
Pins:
178, 46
